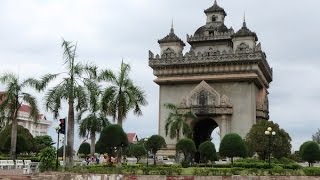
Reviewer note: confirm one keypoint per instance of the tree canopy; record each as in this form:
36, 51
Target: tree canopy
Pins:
137, 150
84, 149
187, 147
232, 146
122, 95
258, 142
310, 152
207, 152
41, 142
154, 144
112, 138
25, 136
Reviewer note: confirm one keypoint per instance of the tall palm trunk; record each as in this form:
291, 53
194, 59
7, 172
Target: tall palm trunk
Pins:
14, 137
70, 133
14, 125
93, 142
119, 122
178, 138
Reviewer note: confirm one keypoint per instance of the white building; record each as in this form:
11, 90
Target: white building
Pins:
36, 128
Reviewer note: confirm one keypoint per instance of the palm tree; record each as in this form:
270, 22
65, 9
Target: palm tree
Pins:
10, 103
122, 95
95, 121
70, 89
177, 122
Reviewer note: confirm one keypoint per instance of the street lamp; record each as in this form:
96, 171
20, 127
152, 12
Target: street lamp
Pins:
144, 141
270, 134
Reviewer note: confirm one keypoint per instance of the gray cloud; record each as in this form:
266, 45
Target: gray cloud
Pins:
108, 31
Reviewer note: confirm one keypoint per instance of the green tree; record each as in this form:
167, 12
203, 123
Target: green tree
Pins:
84, 149
11, 101
5, 142
177, 122
112, 139
232, 146
23, 145
95, 121
41, 142
310, 152
154, 144
187, 147
207, 152
137, 150
122, 95
71, 89
47, 159
258, 142
316, 137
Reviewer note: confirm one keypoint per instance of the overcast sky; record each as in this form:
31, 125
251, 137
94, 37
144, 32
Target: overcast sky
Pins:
108, 31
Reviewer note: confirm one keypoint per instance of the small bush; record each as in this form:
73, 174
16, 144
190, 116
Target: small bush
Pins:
47, 159
312, 171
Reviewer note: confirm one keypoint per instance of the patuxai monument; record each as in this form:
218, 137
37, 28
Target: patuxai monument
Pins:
223, 78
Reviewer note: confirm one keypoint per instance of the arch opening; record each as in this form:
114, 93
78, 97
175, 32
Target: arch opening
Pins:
202, 131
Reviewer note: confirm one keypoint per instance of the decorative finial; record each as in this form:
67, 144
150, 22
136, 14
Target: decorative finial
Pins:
244, 20
215, 2
172, 30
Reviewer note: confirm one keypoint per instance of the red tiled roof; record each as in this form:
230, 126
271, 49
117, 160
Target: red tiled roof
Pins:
25, 108
132, 137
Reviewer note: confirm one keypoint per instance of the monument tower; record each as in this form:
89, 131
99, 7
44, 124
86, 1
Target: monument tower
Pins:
223, 78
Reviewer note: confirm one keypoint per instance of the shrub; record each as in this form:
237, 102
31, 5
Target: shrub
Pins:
84, 149
312, 171
47, 159
188, 148
207, 152
231, 146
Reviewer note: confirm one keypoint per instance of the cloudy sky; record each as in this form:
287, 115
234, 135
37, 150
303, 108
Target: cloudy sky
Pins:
108, 31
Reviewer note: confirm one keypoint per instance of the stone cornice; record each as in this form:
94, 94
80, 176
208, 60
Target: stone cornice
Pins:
234, 77
237, 60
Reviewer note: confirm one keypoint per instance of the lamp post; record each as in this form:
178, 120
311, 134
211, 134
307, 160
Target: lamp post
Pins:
144, 142
270, 134
58, 132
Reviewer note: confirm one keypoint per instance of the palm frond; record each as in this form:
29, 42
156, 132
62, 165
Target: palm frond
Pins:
81, 97
31, 100
9, 78
54, 96
41, 84
107, 75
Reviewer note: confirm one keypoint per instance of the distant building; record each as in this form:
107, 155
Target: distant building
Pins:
36, 128
132, 138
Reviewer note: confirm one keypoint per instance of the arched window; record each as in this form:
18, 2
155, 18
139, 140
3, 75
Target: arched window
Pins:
214, 18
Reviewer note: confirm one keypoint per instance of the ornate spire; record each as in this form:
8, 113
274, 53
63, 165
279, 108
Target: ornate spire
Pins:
172, 30
244, 20
244, 31
215, 8
171, 37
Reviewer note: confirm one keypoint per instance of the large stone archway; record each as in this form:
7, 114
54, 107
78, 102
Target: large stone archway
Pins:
210, 107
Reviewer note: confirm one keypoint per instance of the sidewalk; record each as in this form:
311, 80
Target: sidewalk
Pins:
13, 174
